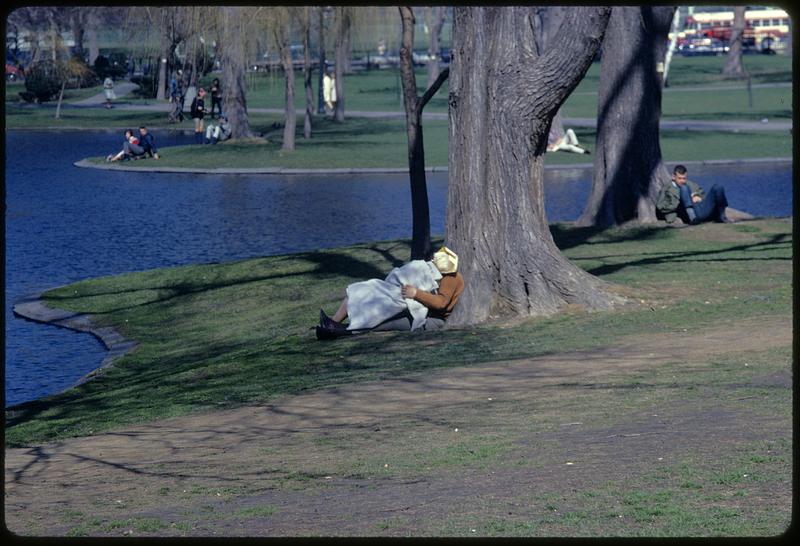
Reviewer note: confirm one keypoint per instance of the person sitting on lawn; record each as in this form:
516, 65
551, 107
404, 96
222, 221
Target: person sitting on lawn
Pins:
220, 132
147, 142
130, 148
684, 199
417, 296
566, 142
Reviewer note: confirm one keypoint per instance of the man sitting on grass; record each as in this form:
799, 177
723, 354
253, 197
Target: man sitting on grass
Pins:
147, 142
684, 199
220, 132
397, 304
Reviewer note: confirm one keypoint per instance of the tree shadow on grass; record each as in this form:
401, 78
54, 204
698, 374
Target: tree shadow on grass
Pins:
567, 235
775, 242
327, 264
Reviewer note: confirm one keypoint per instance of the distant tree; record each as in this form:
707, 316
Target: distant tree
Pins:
322, 62
343, 20
72, 69
628, 166
281, 19
503, 95
305, 27
435, 20
421, 229
733, 62
233, 35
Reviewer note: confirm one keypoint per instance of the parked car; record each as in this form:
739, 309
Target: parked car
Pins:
12, 73
703, 46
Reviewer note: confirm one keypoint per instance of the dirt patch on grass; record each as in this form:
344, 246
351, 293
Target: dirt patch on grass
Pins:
424, 454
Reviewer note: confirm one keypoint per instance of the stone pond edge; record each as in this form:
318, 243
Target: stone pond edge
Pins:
34, 309
85, 163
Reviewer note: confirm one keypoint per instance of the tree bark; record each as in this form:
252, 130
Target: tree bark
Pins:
307, 72
733, 62
165, 52
628, 166
503, 95
436, 16
289, 112
342, 30
321, 40
61, 98
420, 212
94, 49
78, 18
234, 85
549, 21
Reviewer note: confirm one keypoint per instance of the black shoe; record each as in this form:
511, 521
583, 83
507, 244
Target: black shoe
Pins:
327, 322
331, 333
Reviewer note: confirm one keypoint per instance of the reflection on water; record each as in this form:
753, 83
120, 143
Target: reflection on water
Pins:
65, 224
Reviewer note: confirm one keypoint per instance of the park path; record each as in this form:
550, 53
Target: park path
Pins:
120, 90
171, 469
688, 125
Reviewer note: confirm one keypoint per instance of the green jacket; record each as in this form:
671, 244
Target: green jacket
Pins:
669, 198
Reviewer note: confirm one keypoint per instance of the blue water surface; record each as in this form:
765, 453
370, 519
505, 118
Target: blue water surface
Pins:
65, 224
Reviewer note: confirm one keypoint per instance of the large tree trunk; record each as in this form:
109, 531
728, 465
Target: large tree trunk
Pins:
628, 167
435, 24
94, 49
342, 30
307, 72
234, 85
549, 21
503, 95
733, 63
289, 112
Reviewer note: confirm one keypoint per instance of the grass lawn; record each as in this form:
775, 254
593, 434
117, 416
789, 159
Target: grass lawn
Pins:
335, 145
221, 335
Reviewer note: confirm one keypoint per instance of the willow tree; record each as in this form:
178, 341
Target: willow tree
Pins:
234, 30
421, 224
503, 96
628, 166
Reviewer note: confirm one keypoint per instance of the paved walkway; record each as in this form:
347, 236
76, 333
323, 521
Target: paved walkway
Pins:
120, 89
687, 125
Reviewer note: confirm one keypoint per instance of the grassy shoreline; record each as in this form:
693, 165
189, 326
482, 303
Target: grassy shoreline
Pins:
222, 335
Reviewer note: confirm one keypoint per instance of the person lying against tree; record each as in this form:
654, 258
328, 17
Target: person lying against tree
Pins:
417, 296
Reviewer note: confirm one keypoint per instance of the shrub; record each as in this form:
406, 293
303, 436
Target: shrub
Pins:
104, 66
147, 86
43, 80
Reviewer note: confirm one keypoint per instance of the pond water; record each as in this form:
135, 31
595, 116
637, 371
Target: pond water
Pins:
65, 224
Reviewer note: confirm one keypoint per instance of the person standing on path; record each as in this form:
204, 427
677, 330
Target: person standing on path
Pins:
329, 91
198, 112
684, 199
108, 89
216, 97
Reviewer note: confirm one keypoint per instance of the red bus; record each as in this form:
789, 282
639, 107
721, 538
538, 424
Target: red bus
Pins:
763, 27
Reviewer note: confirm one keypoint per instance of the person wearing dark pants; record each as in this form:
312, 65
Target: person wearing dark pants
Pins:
684, 199
216, 97
710, 207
